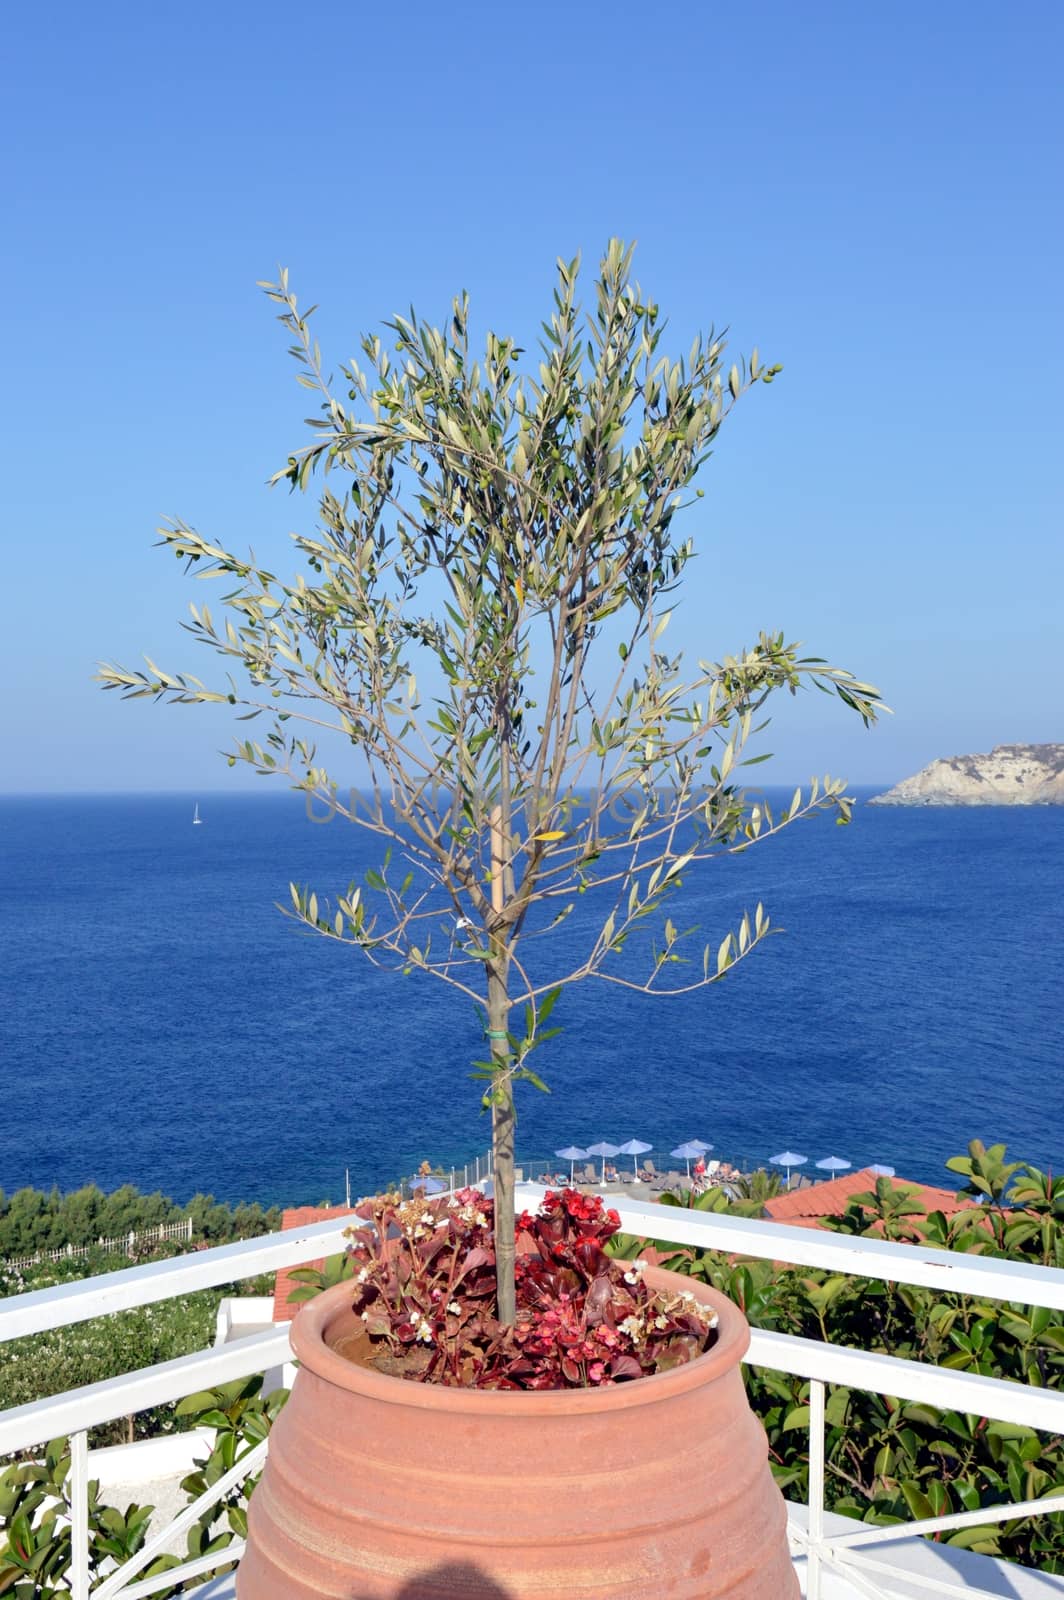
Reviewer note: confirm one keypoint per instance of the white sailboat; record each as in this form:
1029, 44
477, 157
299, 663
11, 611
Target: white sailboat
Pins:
196, 818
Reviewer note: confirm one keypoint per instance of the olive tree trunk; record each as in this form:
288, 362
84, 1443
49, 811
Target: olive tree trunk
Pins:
502, 1100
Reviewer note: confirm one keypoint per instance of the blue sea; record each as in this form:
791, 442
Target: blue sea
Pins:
162, 1024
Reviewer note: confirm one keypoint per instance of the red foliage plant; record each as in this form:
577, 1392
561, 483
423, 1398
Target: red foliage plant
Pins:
424, 1287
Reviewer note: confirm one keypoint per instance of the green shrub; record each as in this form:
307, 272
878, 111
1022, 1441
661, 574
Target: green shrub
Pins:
32, 1222
35, 1508
888, 1460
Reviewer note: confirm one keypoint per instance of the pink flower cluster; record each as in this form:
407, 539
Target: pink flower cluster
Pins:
424, 1286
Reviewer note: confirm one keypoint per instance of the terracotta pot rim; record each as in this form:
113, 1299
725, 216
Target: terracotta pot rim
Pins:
315, 1317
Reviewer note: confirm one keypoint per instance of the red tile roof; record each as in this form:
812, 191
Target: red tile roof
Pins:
807, 1208
284, 1283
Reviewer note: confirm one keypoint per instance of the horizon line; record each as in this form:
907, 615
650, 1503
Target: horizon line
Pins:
275, 793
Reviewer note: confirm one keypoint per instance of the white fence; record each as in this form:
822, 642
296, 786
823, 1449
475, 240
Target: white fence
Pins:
825, 1550
126, 1241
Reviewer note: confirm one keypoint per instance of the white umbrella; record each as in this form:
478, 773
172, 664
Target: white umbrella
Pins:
882, 1171
571, 1153
789, 1159
689, 1152
603, 1149
427, 1185
635, 1148
834, 1164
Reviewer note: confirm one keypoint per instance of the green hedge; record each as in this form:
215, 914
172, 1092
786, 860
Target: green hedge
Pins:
32, 1221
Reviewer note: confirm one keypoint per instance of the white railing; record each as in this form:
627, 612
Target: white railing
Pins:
954, 1272
64, 1304
124, 1241
76, 1412
819, 1364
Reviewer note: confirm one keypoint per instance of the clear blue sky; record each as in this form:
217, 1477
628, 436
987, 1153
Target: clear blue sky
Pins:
871, 194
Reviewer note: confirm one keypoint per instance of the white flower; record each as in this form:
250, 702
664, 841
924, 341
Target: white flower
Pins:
635, 1272
423, 1329
454, 1308
632, 1326
661, 1321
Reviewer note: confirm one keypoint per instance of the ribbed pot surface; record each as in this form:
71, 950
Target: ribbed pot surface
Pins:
380, 1489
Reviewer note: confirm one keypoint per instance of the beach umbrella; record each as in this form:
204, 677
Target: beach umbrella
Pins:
571, 1153
882, 1171
635, 1148
689, 1152
428, 1185
603, 1149
789, 1159
834, 1164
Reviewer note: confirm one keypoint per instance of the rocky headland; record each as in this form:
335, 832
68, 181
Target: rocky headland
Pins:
1011, 775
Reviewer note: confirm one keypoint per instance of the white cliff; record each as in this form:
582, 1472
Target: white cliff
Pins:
1011, 775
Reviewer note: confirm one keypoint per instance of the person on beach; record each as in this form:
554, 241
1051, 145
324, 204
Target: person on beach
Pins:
700, 1174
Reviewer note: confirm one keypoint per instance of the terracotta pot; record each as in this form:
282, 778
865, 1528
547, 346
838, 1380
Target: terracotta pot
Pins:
380, 1489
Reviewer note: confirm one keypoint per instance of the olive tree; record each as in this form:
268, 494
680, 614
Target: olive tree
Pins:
485, 620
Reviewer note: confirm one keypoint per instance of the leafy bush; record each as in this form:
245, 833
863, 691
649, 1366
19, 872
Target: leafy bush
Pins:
890, 1460
32, 1221
35, 1507
43, 1364
35, 1517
